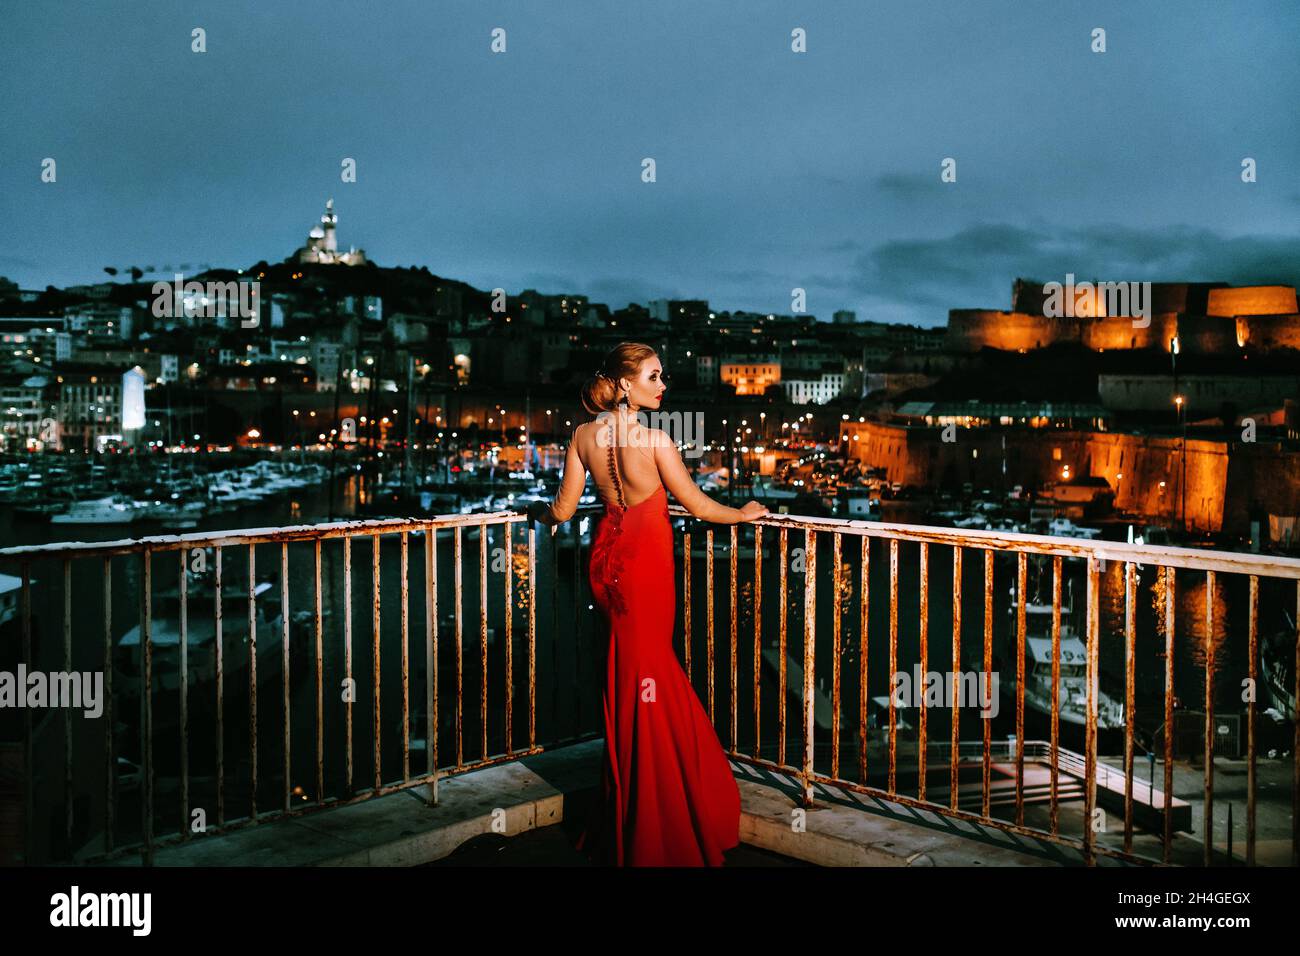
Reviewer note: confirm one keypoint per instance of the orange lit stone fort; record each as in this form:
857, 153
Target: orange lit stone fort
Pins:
1206, 317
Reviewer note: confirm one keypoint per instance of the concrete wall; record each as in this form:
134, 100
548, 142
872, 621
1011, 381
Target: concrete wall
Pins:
1205, 394
1263, 479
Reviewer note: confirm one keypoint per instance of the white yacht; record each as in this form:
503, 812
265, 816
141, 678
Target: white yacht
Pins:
1064, 527
98, 511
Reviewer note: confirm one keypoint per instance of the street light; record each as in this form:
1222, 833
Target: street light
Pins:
1182, 481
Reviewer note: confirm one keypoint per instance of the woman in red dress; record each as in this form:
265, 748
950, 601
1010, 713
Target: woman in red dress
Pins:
667, 795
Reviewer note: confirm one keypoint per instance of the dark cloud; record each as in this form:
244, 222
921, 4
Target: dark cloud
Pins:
974, 267
548, 283
907, 185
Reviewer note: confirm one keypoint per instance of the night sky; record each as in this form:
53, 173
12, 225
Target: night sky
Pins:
775, 169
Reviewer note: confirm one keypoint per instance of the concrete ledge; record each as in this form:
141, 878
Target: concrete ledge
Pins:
853, 829
400, 829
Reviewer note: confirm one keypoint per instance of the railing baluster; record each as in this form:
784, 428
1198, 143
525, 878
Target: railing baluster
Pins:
67, 711
509, 639
758, 637
252, 682
577, 632
482, 633
350, 697
1169, 711
1022, 561
320, 675
1130, 655
284, 666
406, 657
1208, 819
29, 771
1253, 656
708, 605
784, 602
1056, 691
836, 589
735, 583
575, 528
1295, 742
146, 704
686, 603
809, 659
375, 628
577, 682
988, 673
863, 696
532, 638
110, 770
925, 666
955, 742
460, 651
431, 658
893, 658
182, 584
219, 666
1090, 784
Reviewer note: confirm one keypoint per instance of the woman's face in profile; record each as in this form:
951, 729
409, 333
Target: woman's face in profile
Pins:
648, 387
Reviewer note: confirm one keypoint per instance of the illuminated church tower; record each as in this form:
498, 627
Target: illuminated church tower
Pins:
322, 244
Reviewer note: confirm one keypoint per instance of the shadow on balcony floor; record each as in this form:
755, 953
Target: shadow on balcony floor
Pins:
553, 846
529, 801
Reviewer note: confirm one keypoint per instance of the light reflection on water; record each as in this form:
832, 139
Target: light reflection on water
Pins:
1195, 636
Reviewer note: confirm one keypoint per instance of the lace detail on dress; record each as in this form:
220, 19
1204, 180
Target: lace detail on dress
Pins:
613, 467
609, 558
606, 550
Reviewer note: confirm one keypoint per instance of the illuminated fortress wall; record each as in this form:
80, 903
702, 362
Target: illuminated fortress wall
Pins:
1207, 335
1028, 296
1268, 332
1119, 332
970, 330
1135, 466
1206, 317
1252, 300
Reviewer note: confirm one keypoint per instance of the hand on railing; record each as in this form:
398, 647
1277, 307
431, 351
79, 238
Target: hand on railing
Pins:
539, 511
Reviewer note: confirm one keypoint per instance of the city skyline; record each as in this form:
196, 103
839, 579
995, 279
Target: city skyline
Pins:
521, 169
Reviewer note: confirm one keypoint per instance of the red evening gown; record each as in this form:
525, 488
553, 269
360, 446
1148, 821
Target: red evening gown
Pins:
667, 797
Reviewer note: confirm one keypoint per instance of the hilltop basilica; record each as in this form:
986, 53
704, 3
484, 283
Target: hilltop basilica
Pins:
322, 244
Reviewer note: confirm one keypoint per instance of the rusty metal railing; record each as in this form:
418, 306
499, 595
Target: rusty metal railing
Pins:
1094, 554
148, 551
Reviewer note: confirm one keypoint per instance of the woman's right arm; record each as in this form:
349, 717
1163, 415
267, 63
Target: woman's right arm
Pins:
678, 481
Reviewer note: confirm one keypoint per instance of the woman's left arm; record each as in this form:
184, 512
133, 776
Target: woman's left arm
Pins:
571, 485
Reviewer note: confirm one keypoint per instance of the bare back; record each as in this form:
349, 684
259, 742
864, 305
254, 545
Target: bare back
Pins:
630, 442
645, 458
